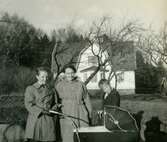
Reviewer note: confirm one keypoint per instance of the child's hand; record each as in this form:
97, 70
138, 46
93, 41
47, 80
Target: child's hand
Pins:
100, 113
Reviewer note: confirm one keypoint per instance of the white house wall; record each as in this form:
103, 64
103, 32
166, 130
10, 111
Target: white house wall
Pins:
83, 63
128, 81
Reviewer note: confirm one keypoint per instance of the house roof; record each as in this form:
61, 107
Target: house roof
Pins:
122, 55
93, 68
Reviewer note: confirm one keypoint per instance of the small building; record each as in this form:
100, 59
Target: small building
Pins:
124, 70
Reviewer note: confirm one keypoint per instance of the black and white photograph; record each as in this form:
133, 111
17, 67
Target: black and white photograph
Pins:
83, 71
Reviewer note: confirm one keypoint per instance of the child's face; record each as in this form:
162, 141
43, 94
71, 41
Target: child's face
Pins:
105, 87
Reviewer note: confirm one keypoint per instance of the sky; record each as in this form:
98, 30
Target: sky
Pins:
53, 14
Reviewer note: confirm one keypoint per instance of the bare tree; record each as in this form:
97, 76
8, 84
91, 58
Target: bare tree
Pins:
154, 45
66, 50
108, 40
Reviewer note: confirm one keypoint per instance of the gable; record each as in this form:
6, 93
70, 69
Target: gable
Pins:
122, 55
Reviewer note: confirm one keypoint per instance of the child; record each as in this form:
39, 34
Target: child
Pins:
110, 95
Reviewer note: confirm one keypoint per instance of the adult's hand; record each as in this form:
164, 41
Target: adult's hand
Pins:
45, 111
57, 107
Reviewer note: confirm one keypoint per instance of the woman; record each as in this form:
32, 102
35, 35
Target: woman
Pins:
39, 98
75, 102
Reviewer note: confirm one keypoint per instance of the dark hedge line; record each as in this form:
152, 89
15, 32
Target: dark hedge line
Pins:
13, 115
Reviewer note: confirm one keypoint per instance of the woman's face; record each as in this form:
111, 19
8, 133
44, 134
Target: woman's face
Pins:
42, 77
69, 74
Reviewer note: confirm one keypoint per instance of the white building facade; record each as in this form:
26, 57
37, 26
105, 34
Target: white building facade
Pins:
87, 64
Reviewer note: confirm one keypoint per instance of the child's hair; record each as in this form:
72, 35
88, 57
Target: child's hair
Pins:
71, 67
103, 81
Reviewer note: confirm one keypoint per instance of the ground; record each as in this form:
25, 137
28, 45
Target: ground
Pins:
150, 104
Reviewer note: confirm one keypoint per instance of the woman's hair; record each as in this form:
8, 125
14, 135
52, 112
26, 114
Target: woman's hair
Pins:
50, 81
103, 81
37, 71
71, 67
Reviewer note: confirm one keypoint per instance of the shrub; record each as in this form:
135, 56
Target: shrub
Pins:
15, 79
23, 77
6, 81
13, 115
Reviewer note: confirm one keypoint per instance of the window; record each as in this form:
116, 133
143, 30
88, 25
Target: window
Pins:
92, 60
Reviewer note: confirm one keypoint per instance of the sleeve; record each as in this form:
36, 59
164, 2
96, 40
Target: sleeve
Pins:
86, 99
58, 88
30, 104
58, 95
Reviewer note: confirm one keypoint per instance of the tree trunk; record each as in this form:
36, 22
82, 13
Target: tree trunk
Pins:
92, 75
95, 72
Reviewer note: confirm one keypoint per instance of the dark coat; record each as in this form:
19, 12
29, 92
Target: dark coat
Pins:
112, 99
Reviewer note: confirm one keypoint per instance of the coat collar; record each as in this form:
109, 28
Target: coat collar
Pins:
37, 85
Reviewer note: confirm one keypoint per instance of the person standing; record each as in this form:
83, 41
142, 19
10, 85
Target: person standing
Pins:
39, 99
75, 102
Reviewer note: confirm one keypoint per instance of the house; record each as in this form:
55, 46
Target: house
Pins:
125, 69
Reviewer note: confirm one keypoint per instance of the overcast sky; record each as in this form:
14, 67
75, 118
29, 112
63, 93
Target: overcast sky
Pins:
50, 14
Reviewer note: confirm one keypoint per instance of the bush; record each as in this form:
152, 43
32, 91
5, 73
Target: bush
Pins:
13, 115
6, 81
23, 77
15, 79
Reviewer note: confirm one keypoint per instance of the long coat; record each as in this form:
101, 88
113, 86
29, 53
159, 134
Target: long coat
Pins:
38, 98
113, 99
76, 102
